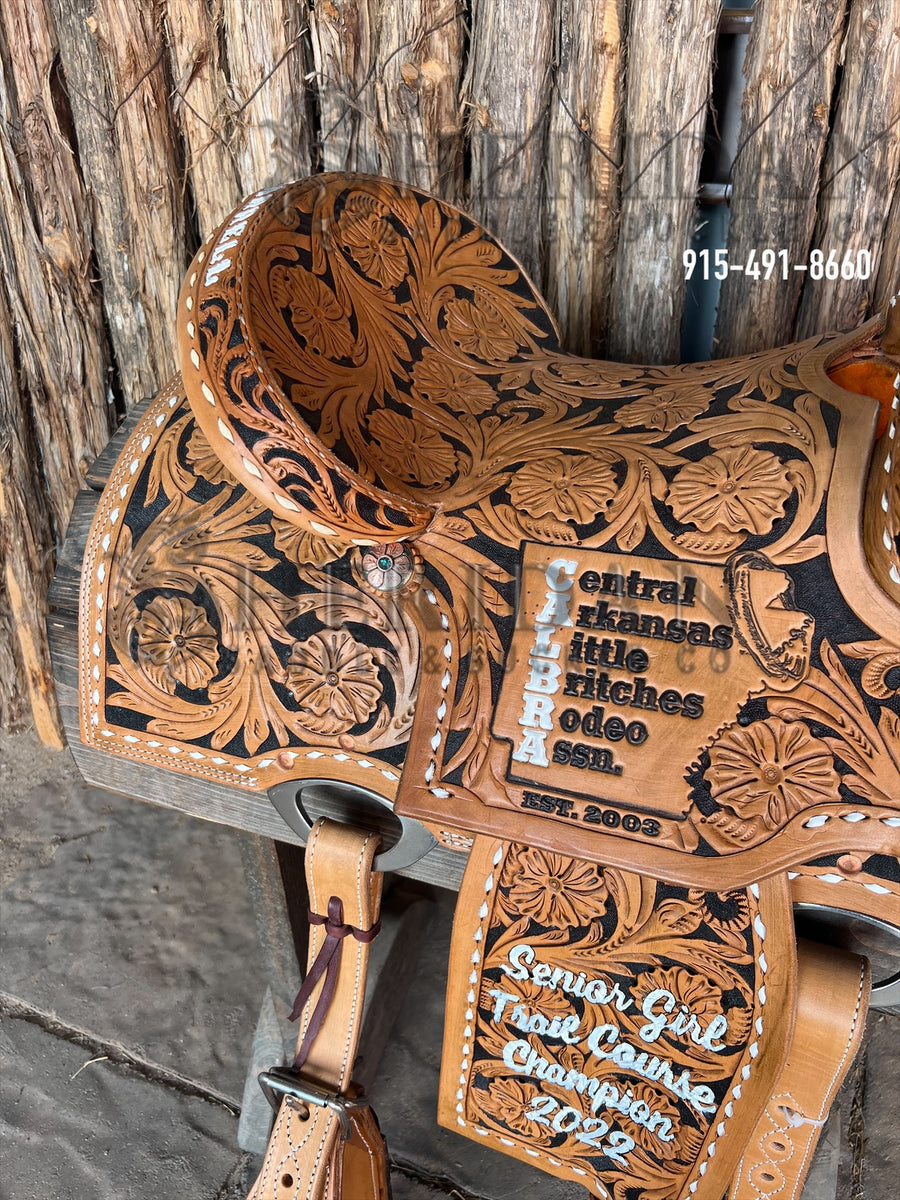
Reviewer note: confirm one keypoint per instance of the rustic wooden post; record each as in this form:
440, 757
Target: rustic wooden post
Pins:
344, 55
888, 284
61, 346
268, 62
416, 91
583, 158
388, 90
508, 119
670, 53
26, 540
862, 168
56, 414
202, 106
792, 56
115, 67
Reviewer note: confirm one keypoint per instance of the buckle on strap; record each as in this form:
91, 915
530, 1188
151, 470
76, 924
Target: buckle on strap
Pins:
281, 1083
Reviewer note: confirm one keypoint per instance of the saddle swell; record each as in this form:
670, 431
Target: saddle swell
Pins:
354, 336
327, 319
615, 629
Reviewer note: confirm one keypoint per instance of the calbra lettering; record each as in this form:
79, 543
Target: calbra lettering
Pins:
543, 680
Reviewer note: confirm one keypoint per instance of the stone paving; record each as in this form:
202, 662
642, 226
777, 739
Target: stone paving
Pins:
130, 984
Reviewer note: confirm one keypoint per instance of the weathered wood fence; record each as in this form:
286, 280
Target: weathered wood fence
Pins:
574, 129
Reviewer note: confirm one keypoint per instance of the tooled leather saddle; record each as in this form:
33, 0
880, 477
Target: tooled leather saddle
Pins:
617, 632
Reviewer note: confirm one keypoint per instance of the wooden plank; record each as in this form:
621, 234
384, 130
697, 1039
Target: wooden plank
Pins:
98, 472
114, 64
60, 348
63, 593
888, 284
583, 157
862, 168
406, 914
670, 54
792, 57
267, 46
508, 117
275, 932
202, 106
26, 541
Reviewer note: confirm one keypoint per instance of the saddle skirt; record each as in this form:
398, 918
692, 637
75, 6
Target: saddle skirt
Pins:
618, 631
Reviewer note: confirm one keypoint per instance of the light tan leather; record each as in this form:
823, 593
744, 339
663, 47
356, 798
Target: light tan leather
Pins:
598, 1096
597, 610
832, 998
372, 368
361, 1172
339, 863
305, 1158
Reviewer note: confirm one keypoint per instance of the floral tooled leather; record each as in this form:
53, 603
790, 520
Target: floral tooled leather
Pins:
367, 365
617, 622
614, 1030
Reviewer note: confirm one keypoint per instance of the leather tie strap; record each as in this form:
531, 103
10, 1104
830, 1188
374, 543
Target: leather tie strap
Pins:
327, 963
325, 1143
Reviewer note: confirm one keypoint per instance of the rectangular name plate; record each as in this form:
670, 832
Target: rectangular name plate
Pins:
620, 670
621, 673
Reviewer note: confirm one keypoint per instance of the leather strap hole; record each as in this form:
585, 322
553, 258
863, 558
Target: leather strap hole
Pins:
779, 1147
298, 1107
765, 1178
287, 1180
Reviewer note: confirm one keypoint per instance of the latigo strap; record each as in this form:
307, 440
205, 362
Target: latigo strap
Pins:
325, 1142
616, 630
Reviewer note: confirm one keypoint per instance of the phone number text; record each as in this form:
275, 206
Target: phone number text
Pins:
776, 264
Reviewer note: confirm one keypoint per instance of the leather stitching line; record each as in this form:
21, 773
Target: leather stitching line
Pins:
360, 952
443, 707
489, 886
877, 888
752, 1050
809, 1126
853, 1024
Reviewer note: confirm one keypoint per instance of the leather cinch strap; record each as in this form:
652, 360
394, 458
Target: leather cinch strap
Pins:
325, 1142
832, 999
